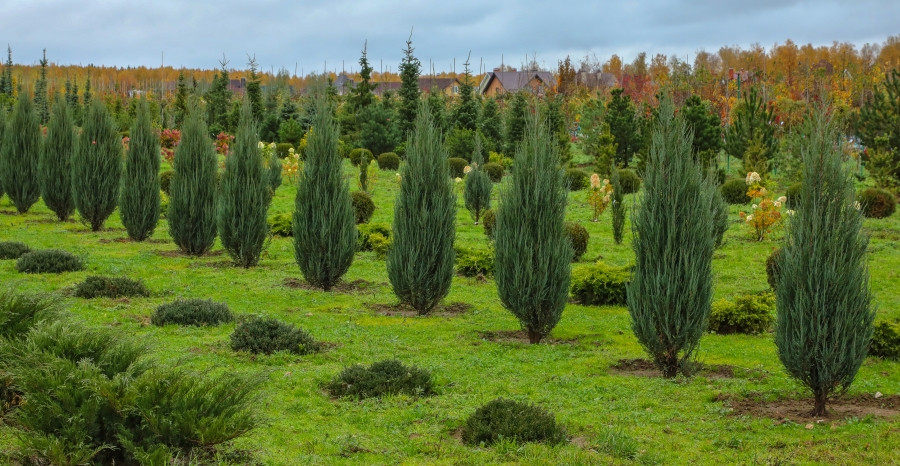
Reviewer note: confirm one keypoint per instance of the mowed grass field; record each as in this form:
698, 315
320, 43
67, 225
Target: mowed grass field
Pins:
610, 416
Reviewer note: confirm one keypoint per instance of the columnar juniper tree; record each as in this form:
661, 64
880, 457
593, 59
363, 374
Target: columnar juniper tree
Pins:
20, 154
56, 162
824, 321
97, 167
324, 220
420, 261
671, 287
139, 203
533, 252
192, 199
244, 197
618, 206
478, 185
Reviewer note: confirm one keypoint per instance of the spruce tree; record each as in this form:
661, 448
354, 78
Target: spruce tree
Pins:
465, 115
515, 122
752, 130
410, 68
824, 306
6, 79
20, 154
624, 126
97, 167
41, 102
618, 206
706, 128
140, 201
254, 92
492, 125
2, 132
533, 251
192, 199
420, 261
477, 192
181, 100
217, 100
245, 194
670, 291
273, 172
362, 95
324, 220
55, 166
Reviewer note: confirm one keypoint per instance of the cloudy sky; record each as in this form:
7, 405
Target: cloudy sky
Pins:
311, 35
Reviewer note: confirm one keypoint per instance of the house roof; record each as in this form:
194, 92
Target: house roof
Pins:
513, 81
426, 83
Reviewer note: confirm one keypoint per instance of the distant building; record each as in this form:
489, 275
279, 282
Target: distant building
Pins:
237, 86
343, 84
500, 82
448, 86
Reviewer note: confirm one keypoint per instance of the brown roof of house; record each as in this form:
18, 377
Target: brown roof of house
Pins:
513, 81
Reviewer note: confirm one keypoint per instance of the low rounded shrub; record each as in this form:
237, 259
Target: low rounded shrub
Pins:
380, 244
281, 225
749, 313
19, 312
49, 261
197, 312
734, 191
474, 262
382, 378
631, 182
791, 195
576, 179
265, 335
12, 250
363, 206
600, 285
511, 420
163, 204
388, 161
886, 340
165, 181
489, 221
357, 154
579, 237
283, 149
457, 166
366, 231
494, 171
877, 203
110, 287
773, 267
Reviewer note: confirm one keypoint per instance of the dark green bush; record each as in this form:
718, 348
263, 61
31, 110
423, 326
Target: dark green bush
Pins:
457, 166
282, 149
511, 420
388, 161
886, 340
576, 179
165, 181
363, 206
49, 261
281, 225
474, 262
734, 191
494, 170
877, 203
749, 313
382, 378
489, 221
579, 237
267, 335
366, 230
631, 182
19, 312
791, 195
773, 267
12, 250
110, 287
356, 156
197, 312
600, 285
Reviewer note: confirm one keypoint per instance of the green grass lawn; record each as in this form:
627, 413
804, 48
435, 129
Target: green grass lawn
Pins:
611, 417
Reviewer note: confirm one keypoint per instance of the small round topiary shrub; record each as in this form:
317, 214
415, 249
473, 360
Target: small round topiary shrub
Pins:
165, 181
196, 312
369, 229
382, 378
877, 203
579, 237
357, 154
474, 262
283, 149
511, 420
388, 161
734, 191
49, 261
749, 313
110, 287
489, 221
457, 166
773, 267
600, 285
281, 225
576, 179
494, 171
264, 335
631, 182
886, 340
362, 205
791, 195
12, 250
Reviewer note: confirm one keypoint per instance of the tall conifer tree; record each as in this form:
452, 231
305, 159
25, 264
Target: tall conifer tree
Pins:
192, 200
618, 206
410, 69
56, 162
41, 100
20, 154
140, 200
477, 192
97, 167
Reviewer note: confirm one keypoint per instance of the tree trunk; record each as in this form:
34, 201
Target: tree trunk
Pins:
819, 409
670, 366
534, 337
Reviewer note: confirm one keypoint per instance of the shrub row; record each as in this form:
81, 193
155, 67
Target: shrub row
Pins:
748, 313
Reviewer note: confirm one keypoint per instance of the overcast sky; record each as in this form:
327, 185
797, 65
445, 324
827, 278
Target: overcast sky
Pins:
313, 34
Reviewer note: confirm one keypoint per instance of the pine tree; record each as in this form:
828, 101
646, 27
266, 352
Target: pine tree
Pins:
752, 128
245, 194
181, 100
670, 292
20, 155
217, 100
420, 261
97, 167
492, 125
410, 68
465, 115
254, 92
140, 200
41, 103
192, 200
378, 130
477, 192
515, 122
624, 126
86, 98
6, 79
824, 306
324, 220
55, 165
362, 96
706, 128
618, 206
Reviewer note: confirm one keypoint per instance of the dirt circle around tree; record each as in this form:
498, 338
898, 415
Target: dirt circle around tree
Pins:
797, 410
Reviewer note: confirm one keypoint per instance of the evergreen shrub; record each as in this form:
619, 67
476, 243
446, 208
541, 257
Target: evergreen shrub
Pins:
363, 206
734, 191
19, 312
579, 237
389, 377
457, 166
265, 335
19, 155
495, 171
886, 340
357, 154
489, 221
55, 166
282, 149
12, 250
471, 262
366, 231
576, 179
600, 285
97, 167
281, 225
139, 202
165, 181
196, 312
773, 267
748, 313
503, 419
110, 287
877, 203
631, 182
48, 261
791, 195
388, 161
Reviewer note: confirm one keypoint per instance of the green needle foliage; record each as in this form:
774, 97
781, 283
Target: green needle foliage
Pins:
670, 293
20, 154
140, 201
478, 185
2, 132
56, 162
192, 198
244, 199
824, 306
324, 219
97, 167
618, 206
533, 251
420, 262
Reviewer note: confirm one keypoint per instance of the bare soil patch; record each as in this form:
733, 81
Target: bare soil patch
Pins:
645, 368
355, 286
87, 229
402, 310
178, 253
859, 406
129, 240
519, 336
